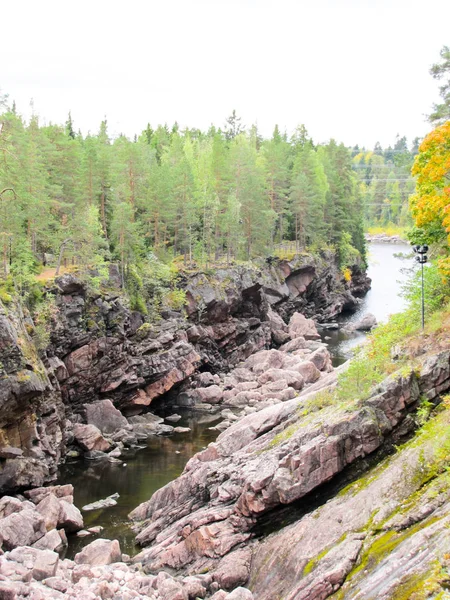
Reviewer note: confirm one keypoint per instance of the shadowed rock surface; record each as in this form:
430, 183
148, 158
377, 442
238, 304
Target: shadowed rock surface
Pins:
386, 532
31, 410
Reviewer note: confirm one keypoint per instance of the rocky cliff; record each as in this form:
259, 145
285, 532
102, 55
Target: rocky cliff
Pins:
32, 416
100, 349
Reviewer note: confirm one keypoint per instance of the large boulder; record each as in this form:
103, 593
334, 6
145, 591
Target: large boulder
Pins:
53, 540
36, 495
105, 416
70, 517
50, 508
45, 565
309, 372
291, 378
366, 323
211, 395
22, 528
9, 505
100, 552
89, 437
299, 325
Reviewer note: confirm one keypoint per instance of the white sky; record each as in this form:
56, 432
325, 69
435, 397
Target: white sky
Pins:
355, 70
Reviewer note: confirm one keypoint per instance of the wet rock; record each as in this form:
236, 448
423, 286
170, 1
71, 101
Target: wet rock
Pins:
116, 453
83, 533
182, 430
329, 326
105, 503
96, 455
173, 418
89, 437
164, 430
100, 552
367, 323
96, 529
105, 416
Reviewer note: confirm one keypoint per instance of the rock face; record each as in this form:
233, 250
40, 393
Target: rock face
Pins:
30, 566
31, 409
267, 377
270, 459
102, 352
382, 535
103, 349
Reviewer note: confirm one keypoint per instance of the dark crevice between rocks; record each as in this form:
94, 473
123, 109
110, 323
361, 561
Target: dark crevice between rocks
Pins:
282, 516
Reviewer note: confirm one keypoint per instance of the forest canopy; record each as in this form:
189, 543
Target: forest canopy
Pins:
220, 195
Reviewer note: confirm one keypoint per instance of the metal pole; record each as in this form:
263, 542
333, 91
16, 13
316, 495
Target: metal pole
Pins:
423, 303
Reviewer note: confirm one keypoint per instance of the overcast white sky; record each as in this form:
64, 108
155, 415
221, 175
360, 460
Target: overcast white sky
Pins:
355, 70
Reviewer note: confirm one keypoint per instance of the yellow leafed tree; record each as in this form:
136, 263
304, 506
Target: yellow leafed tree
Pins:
430, 205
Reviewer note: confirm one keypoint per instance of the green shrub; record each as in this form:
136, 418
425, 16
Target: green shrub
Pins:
176, 299
4, 296
143, 331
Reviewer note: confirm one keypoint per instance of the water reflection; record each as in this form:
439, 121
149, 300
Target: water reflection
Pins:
147, 470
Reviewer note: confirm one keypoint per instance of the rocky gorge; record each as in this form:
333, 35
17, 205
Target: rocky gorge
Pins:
99, 349
247, 351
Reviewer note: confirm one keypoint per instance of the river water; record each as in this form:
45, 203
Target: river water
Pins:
390, 267
162, 459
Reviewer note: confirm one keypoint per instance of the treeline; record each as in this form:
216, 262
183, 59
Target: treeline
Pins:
386, 182
208, 196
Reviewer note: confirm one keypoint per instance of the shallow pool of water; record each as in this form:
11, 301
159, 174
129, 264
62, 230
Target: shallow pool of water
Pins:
161, 460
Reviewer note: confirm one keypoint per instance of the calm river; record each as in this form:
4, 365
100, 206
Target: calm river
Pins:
390, 266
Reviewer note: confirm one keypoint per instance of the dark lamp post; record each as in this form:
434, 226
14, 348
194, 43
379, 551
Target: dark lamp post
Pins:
421, 258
